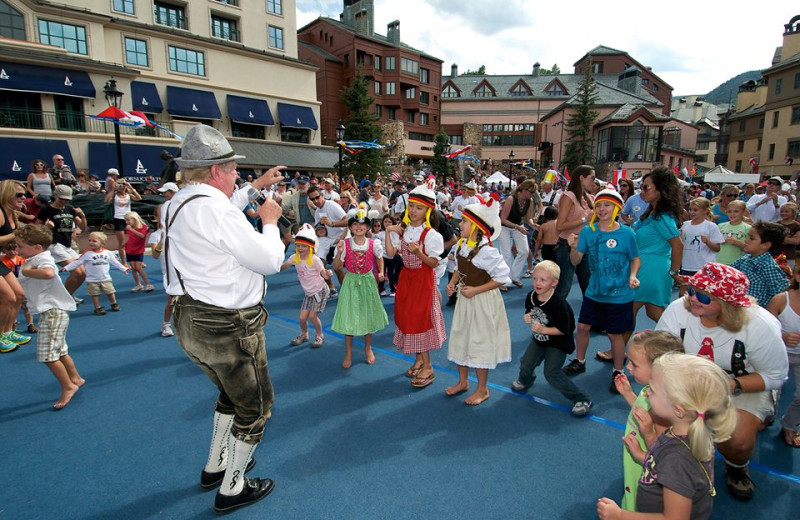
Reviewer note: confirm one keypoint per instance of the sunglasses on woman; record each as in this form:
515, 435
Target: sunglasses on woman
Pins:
702, 298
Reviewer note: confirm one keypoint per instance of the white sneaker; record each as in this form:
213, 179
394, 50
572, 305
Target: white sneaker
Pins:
166, 330
138, 288
148, 288
581, 408
78, 301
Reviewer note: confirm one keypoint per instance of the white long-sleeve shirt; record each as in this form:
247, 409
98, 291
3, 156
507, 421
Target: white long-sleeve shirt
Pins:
221, 258
98, 265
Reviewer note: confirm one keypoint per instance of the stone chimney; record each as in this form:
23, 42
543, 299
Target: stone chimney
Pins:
791, 38
453, 70
359, 15
631, 81
393, 32
536, 67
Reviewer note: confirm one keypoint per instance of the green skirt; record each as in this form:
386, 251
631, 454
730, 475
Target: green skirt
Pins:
359, 310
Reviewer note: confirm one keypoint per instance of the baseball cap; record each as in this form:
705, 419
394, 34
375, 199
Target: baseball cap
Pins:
168, 186
63, 192
113, 171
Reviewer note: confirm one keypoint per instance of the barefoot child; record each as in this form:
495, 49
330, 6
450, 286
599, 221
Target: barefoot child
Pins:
553, 325
98, 262
312, 275
47, 297
136, 231
359, 311
692, 395
417, 306
479, 337
614, 263
643, 349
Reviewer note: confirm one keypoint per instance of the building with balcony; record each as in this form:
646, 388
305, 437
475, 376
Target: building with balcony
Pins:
227, 63
529, 114
764, 127
405, 81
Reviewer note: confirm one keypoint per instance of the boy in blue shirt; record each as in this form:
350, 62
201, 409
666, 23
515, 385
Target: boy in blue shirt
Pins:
766, 278
614, 263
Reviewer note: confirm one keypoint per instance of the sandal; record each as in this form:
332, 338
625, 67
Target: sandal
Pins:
607, 357
413, 371
318, 341
517, 283
791, 438
301, 338
422, 382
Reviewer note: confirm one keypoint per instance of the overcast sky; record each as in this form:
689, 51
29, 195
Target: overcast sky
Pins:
694, 45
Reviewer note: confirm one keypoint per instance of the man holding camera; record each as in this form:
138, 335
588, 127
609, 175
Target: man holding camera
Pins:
216, 264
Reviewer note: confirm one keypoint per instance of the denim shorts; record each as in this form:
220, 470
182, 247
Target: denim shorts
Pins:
616, 318
228, 345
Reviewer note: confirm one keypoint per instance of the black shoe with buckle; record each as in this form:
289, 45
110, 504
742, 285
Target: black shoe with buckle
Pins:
254, 490
740, 486
212, 480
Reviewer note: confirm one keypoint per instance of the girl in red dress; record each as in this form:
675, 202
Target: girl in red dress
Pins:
418, 309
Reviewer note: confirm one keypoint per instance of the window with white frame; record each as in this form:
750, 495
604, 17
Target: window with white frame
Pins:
123, 6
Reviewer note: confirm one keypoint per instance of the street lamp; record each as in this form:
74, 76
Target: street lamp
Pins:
510, 165
339, 138
114, 98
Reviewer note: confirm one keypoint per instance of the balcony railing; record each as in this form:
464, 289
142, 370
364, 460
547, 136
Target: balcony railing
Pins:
70, 122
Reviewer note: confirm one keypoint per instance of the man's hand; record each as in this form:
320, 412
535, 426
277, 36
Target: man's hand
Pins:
272, 176
270, 212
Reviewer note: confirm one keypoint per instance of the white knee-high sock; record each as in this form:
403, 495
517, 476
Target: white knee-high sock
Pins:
218, 452
239, 453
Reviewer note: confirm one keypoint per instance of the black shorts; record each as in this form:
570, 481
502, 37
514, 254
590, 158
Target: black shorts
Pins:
4, 270
615, 318
134, 258
119, 224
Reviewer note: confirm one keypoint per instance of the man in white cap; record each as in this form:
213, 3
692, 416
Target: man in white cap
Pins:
328, 193
216, 264
766, 207
467, 197
111, 180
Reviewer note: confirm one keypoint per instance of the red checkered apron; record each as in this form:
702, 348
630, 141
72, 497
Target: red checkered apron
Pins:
420, 324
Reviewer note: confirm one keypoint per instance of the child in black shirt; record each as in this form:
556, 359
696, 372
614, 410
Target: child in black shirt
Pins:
553, 324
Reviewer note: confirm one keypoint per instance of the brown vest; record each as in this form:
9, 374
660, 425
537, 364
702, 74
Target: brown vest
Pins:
471, 275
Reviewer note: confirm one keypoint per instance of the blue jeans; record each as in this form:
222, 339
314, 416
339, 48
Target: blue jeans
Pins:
553, 361
228, 345
568, 271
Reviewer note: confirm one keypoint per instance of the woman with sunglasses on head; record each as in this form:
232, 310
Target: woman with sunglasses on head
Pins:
718, 320
39, 181
12, 201
728, 194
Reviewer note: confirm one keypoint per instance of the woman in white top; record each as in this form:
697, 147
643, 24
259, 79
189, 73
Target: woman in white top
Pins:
121, 196
378, 201
39, 181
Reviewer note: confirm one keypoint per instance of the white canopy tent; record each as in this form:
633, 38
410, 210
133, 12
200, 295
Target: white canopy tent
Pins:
499, 179
721, 174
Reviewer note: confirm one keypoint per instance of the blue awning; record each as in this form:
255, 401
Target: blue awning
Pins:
50, 80
17, 154
145, 98
249, 111
189, 102
138, 160
296, 116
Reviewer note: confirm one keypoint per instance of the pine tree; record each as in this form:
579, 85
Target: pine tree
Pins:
440, 166
580, 125
360, 126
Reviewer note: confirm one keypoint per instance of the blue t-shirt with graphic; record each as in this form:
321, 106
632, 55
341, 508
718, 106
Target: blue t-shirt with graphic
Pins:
609, 254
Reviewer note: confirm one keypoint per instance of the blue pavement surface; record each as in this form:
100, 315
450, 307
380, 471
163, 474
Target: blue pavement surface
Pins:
341, 444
